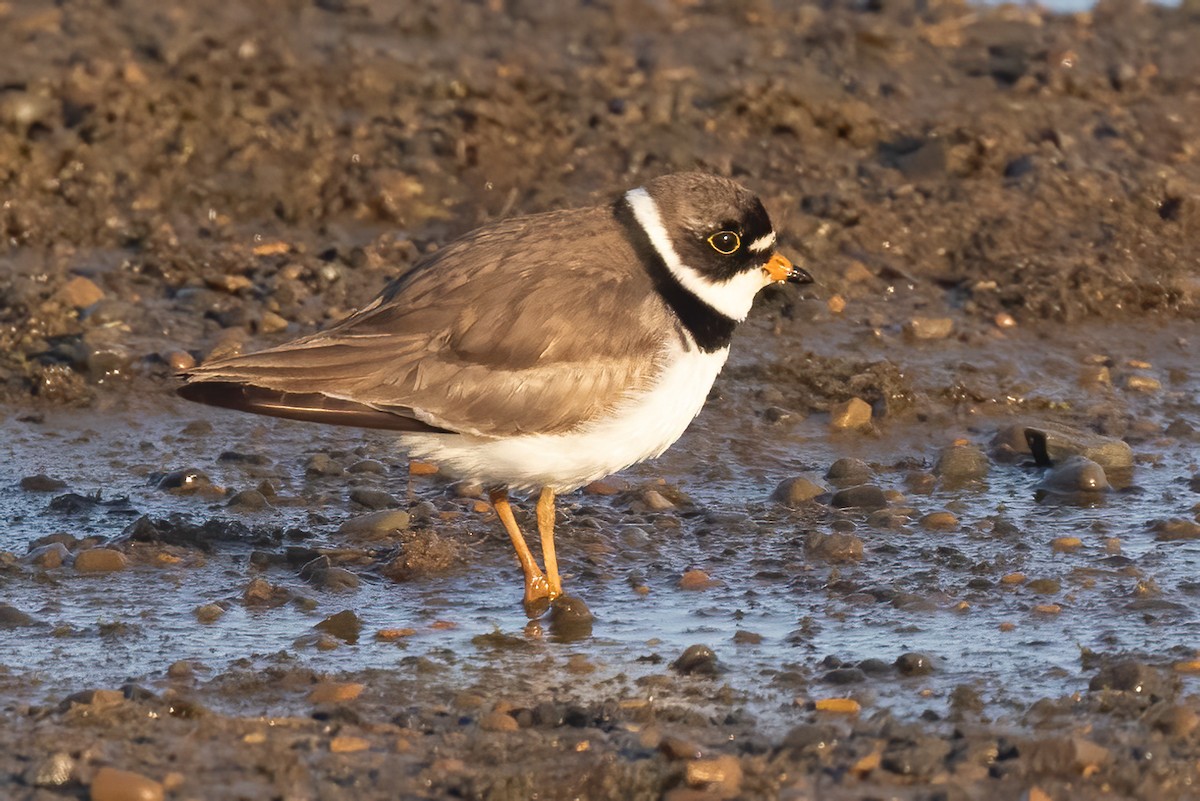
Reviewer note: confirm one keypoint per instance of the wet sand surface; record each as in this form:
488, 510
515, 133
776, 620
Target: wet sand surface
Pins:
934, 536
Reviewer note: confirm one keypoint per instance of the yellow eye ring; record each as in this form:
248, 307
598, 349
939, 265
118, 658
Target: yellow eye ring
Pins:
725, 242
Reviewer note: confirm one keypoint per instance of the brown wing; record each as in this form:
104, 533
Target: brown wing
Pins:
511, 329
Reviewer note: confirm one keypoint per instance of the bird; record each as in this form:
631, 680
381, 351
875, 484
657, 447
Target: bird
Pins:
537, 353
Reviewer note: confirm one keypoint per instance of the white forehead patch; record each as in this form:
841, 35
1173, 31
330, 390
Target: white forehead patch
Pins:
731, 297
762, 244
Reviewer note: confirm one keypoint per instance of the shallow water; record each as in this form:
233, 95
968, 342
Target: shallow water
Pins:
131, 625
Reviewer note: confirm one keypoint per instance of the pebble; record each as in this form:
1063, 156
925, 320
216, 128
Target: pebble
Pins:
696, 580
838, 706
696, 660
1061, 755
80, 292
939, 521
48, 556
13, 618
914, 664
209, 613
835, 547
42, 483
54, 770
110, 784
322, 464
100, 560
721, 775
656, 501
570, 619
373, 499
375, 525
676, 748
929, 328
795, 491
864, 496
844, 675
852, 414
1075, 474
606, 486
347, 744
335, 692
919, 758
498, 721
1143, 383
259, 591
1129, 676
1066, 544
848, 471
1044, 586
249, 500
344, 625
421, 469
961, 463
1175, 528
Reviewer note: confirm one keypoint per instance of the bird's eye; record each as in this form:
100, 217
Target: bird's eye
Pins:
725, 242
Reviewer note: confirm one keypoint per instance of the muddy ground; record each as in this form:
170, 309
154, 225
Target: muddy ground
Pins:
984, 588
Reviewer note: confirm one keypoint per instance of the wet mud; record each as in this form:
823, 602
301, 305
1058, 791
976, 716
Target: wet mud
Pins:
934, 536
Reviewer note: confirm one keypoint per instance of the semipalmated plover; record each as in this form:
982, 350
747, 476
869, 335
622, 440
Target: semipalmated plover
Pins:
537, 353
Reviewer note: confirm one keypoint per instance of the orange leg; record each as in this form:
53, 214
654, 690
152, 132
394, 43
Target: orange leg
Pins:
545, 521
536, 586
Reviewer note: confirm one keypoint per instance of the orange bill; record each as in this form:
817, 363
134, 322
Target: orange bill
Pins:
778, 268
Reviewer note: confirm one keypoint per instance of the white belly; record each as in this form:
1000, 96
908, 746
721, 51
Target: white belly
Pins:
643, 426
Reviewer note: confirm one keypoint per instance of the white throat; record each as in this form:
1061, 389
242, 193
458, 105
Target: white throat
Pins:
731, 297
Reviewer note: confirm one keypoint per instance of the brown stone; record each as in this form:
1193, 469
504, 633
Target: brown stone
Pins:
335, 692
939, 521
110, 784
498, 721
80, 292
695, 580
854, 413
722, 775
929, 327
100, 560
347, 744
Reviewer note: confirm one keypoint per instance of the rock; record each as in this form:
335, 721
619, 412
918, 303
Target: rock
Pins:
99, 560
1143, 383
53, 770
80, 292
97, 699
13, 618
696, 660
864, 496
570, 619
851, 414
958, 463
498, 721
335, 692
110, 784
849, 471
249, 501
260, 591
939, 521
373, 499
375, 525
1054, 443
696, 580
209, 613
1075, 474
1175, 528
795, 491
348, 744
344, 625
919, 759
676, 748
914, 664
1065, 755
929, 328
1044, 586
237, 457
656, 501
844, 675
42, 483
836, 547
721, 776
322, 464
48, 556
1130, 676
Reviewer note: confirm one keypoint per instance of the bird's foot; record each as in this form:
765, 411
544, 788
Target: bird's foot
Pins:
539, 594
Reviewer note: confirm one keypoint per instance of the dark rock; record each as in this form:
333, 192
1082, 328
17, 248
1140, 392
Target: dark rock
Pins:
848, 471
697, 660
42, 483
959, 463
795, 491
864, 496
187, 479
816, 737
249, 500
344, 625
914, 664
376, 525
373, 499
322, 464
13, 618
1131, 676
836, 547
236, 457
844, 675
919, 759
1075, 474
1175, 528
570, 619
